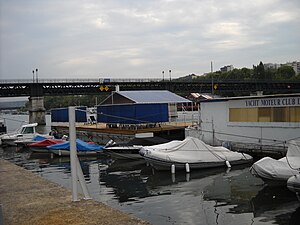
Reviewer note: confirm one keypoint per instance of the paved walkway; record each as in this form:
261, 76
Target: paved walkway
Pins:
27, 198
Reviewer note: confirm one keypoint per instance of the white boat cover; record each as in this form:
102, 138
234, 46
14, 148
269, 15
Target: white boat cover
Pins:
280, 170
192, 150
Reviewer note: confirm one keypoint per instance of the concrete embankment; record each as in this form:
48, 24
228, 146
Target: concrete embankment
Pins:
26, 198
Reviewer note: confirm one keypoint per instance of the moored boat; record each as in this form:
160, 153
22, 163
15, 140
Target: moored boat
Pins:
25, 135
83, 148
278, 171
193, 152
41, 146
26, 141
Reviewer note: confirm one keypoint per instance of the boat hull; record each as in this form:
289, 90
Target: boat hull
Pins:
159, 164
8, 142
124, 152
79, 153
40, 149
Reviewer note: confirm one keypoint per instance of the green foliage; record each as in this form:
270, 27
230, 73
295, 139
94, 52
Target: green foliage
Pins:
258, 72
285, 73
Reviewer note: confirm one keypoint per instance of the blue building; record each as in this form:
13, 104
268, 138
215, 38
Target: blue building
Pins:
139, 107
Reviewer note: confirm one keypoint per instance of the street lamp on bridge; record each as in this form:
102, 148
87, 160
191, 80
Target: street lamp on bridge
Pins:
170, 75
32, 76
36, 72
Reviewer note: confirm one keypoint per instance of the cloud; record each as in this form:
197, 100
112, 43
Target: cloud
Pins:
131, 38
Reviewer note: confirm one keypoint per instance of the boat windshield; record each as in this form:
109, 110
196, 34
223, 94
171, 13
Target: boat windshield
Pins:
27, 130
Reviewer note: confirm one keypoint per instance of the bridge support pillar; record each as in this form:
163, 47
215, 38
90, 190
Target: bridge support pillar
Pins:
37, 111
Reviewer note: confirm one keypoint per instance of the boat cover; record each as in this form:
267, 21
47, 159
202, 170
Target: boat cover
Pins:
273, 169
281, 169
80, 145
46, 142
39, 138
192, 150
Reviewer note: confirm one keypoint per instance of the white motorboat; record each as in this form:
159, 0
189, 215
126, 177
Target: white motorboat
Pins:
25, 135
191, 151
274, 171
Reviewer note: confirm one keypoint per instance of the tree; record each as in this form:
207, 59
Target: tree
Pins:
285, 73
246, 73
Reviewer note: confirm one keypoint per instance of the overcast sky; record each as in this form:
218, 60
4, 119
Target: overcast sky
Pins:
142, 38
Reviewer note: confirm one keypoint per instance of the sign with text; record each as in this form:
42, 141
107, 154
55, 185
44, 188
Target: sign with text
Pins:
265, 102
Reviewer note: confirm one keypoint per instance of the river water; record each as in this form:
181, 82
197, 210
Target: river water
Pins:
213, 196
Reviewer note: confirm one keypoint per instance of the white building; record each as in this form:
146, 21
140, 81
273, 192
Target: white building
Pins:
271, 66
295, 65
254, 122
226, 68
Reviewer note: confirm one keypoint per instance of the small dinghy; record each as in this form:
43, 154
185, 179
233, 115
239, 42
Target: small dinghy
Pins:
83, 148
193, 153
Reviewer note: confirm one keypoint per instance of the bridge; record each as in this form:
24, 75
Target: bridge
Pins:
59, 87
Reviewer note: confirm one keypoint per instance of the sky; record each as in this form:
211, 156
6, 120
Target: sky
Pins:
91, 39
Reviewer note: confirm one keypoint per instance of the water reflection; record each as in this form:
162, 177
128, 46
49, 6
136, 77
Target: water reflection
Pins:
276, 203
212, 196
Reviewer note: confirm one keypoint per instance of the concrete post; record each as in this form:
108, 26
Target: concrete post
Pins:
37, 111
73, 153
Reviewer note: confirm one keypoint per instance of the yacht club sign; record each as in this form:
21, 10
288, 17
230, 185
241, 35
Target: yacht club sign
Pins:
272, 102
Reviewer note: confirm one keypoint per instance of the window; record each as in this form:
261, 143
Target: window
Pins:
265, 114
27, 130
281, 114
294, 114
243, 115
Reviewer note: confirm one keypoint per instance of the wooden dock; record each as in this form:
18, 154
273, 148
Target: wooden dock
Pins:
126, 130
101, 133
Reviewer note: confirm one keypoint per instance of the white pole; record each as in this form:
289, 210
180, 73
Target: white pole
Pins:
199, 114
73, 153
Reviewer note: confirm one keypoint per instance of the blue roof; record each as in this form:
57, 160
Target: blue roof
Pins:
153, 96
